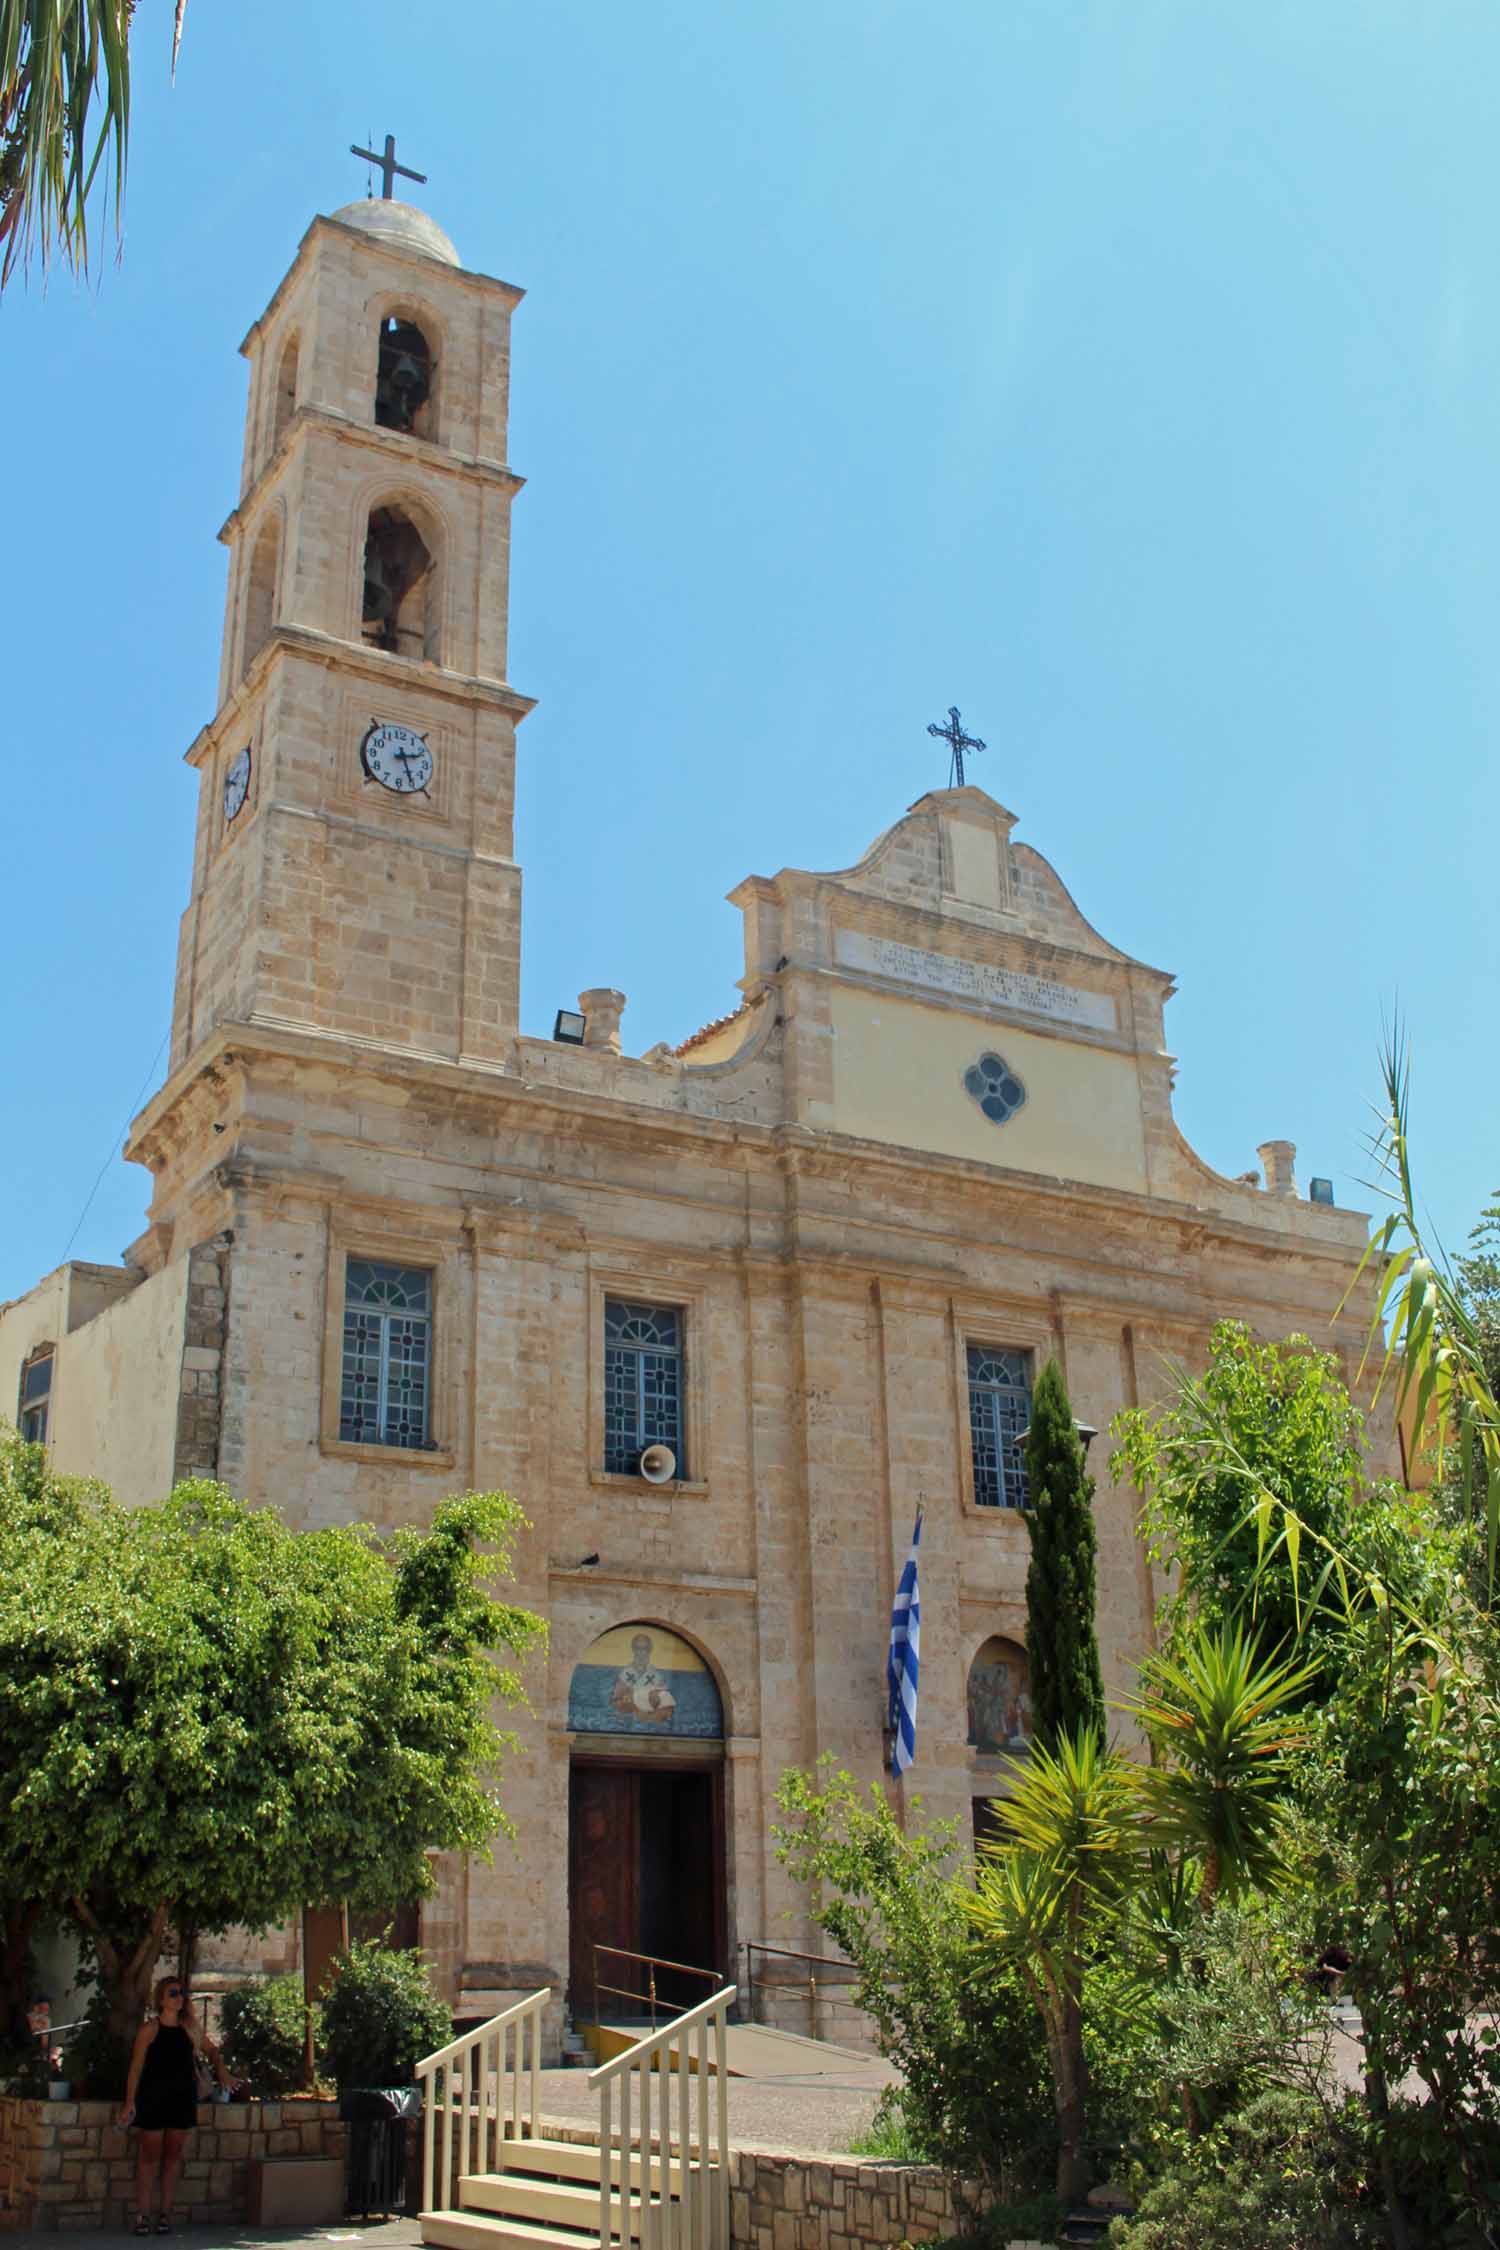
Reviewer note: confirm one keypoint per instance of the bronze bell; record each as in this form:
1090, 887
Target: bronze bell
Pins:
405, 376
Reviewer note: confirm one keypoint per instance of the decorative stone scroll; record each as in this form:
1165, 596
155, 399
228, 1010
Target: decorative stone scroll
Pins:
974, 980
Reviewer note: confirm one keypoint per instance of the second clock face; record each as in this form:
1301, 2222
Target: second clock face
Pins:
236, 783
397, 757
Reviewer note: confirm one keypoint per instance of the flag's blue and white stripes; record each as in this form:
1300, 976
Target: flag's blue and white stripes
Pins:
903, 1661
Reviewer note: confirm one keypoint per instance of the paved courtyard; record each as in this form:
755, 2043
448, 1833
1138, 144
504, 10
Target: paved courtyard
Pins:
803, 2111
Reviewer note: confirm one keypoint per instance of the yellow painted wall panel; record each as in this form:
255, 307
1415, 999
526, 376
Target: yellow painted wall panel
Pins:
898, 1074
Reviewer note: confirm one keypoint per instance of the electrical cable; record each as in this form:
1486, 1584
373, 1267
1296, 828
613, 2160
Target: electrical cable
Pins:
114, 1144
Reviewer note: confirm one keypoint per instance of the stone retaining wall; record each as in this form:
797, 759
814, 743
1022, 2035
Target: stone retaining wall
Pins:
70, 2164
782, 2201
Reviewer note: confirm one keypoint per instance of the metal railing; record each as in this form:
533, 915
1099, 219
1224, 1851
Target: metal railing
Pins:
834, 1973
649, 1998
474, 2069
682, 2177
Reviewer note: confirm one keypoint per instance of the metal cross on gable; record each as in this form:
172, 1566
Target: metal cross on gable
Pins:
388, 166
958, 742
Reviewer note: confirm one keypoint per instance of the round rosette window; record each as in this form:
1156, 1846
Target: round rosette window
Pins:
996, 1088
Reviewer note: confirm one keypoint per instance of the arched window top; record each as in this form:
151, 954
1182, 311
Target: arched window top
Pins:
260, 588
399, 603
404, 377
999, 1697
286, 389
642, 1679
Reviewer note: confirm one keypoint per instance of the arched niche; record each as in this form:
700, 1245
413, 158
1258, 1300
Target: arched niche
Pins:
260, 588
999, 1698
405, 377
285, 404
646, 1681
400, 596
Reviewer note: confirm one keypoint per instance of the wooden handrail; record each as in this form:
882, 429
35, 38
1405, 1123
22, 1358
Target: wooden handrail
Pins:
684, 2179
480, 2102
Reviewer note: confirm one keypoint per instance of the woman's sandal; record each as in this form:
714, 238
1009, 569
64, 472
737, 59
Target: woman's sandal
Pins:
142, 2224
164, 2224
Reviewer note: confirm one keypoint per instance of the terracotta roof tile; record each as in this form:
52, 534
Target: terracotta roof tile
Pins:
708, 1030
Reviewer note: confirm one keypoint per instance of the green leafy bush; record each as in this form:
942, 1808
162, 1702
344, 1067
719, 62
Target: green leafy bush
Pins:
96, 2059
975, 2096
381, 2016
264, 2034
1279, 2174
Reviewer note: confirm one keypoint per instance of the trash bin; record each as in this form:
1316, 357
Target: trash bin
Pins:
375, 2178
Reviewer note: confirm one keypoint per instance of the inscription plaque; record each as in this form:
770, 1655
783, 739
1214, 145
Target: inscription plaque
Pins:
974, 980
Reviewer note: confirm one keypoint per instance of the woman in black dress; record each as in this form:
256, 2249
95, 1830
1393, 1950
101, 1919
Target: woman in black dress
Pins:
161, 2097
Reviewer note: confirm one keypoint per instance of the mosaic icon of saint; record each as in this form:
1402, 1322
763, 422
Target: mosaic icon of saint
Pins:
640, 1690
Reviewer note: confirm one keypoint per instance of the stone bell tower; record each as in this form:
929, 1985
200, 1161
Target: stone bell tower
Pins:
353, 872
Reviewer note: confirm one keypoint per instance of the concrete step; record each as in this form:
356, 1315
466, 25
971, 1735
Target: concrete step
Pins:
476, 2230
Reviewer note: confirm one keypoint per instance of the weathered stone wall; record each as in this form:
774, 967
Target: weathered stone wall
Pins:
70, 2164
200, 1402
788, 2202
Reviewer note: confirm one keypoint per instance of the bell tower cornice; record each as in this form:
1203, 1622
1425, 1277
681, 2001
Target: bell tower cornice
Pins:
398, 255
400, 452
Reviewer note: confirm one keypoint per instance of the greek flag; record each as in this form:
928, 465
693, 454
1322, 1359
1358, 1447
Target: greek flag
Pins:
902, 1663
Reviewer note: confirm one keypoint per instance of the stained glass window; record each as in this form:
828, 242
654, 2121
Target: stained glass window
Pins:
999, 1409
642, 1383
36, 1397
387, 1354
996, 1088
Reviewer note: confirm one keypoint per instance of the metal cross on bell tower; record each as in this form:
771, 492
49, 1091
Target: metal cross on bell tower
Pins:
388, 166
958, 742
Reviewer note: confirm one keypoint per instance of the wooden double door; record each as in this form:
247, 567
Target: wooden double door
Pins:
646, 1872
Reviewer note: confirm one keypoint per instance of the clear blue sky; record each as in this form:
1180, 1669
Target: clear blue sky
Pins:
1125, 373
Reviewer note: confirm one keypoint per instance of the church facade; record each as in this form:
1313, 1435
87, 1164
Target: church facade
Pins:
721, 1317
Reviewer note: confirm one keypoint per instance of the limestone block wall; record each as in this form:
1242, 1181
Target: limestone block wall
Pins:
70, 2164
781, 2201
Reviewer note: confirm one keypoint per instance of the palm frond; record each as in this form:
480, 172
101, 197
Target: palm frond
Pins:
1223, 1723
1422, 1328
64, 117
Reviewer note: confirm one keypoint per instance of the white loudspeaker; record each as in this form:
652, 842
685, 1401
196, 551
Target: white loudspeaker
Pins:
658, 1464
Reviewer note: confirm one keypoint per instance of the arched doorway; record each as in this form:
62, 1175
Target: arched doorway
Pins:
645, 1821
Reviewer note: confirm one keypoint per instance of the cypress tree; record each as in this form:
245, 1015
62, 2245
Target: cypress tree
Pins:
1062, 1650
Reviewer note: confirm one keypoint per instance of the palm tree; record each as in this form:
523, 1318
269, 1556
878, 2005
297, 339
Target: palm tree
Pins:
1062, 1867
58, 59
1423, 1326
1220, 1722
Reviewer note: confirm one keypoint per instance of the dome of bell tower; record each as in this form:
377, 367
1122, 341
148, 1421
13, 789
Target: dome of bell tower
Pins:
402, 225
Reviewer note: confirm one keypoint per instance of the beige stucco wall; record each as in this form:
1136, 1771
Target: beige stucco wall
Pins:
37, 1318
898, 1071
117, 1387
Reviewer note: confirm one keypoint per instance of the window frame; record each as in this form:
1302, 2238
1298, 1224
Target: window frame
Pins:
991, 1325
385, 1327
639, 1357
436, 1257
39, 1355
666, 1294
997, 1437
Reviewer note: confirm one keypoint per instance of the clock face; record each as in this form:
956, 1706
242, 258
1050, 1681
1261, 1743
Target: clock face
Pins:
397, 757
236, 783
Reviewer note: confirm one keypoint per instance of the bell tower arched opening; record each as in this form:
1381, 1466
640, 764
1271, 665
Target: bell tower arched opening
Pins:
646, 1829
286, 391
260, 589
399, 602
404, 378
